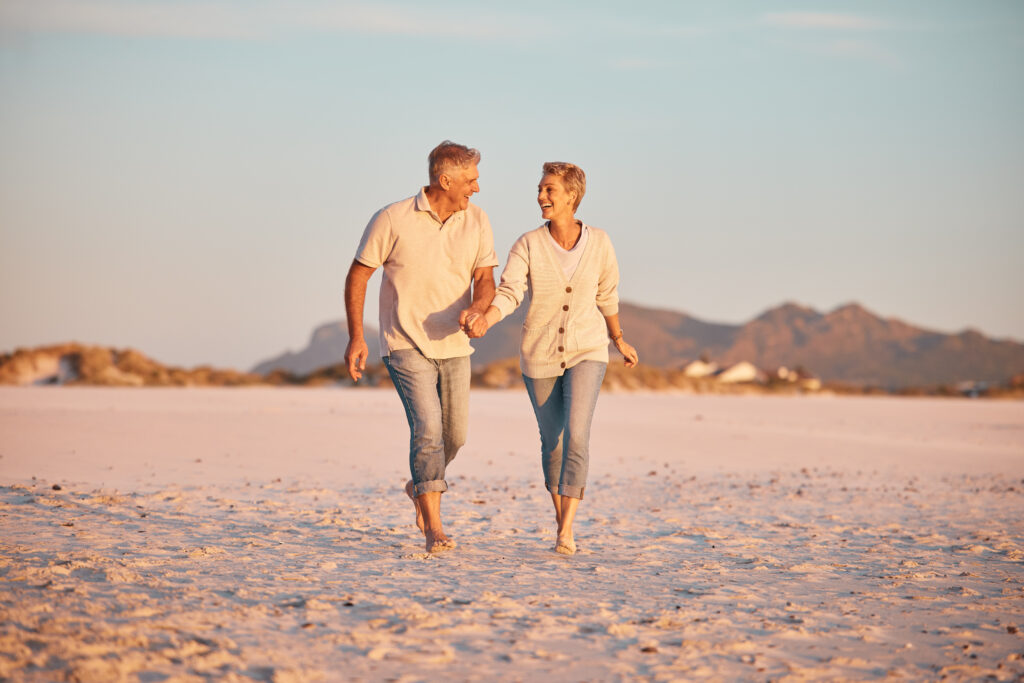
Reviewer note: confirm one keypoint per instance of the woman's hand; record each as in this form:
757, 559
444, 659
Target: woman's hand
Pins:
629, 355
475, 325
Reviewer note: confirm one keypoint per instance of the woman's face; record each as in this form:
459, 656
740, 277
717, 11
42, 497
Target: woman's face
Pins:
555, 202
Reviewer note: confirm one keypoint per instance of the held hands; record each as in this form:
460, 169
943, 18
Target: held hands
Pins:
629, 355
355, 357
473, 323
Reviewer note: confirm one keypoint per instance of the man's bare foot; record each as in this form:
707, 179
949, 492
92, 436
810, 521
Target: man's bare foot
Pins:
438, 543
433, 529
565, 545
410, 490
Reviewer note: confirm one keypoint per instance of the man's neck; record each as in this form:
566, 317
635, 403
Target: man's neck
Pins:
439, 203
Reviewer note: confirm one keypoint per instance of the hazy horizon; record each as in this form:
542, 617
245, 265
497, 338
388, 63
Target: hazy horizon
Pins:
192, 180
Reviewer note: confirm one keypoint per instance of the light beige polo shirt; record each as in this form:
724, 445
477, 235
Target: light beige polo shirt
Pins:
428, 273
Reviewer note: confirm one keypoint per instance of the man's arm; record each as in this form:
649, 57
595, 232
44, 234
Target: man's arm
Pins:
355, 298
472, 319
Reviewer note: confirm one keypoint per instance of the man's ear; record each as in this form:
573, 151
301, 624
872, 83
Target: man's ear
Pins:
445, 181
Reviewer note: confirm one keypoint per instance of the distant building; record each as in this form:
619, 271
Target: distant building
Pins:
740, 372
699, 368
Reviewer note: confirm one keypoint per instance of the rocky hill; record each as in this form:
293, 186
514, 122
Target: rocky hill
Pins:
664, 339
96, 365
853, 345
848, 345
326, 347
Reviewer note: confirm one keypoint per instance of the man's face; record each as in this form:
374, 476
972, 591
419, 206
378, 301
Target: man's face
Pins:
463, 185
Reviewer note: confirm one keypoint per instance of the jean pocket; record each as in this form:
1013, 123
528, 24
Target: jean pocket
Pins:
407, 362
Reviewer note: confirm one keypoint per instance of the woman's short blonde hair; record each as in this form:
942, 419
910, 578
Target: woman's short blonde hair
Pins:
571, 175
448, 157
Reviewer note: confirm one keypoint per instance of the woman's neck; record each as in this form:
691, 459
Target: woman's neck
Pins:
565, 231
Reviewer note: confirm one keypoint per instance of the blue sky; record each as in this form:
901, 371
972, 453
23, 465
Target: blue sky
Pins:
191, 179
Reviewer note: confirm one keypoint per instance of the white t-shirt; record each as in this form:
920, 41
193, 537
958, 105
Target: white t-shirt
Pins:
568, 259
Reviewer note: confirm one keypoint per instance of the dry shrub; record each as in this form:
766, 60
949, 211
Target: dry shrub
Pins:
502, 374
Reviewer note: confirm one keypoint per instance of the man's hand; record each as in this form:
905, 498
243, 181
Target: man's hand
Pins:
473, 323
476, 325
473, 320
355, 357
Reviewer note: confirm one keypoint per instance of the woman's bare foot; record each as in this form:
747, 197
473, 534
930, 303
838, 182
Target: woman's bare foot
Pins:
566, 544
438, 543
410, 490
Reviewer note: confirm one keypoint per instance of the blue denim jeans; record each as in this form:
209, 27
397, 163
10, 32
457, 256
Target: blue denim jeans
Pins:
564, 407
435, 394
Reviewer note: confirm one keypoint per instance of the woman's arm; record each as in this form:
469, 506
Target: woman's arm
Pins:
510, 293
608, 303
608, 282
629, 355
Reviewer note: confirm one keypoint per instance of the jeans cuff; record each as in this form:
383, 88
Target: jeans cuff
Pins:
571, 491
430, 486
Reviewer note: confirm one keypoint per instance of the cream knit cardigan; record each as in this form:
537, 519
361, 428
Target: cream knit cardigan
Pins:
565, 322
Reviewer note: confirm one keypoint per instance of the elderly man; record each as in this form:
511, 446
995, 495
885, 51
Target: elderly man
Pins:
437, 251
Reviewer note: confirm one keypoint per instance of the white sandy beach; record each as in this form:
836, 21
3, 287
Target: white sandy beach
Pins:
263, 535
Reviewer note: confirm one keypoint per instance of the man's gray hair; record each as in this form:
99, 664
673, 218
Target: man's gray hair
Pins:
450, 156
572, 177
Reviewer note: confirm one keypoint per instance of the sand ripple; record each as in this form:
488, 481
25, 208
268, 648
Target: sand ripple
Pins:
788, 576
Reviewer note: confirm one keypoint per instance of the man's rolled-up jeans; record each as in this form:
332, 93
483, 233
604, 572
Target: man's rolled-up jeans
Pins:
435, 393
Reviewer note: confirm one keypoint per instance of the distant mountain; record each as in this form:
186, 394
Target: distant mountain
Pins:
326, 347
849, 344
853, 345
665, 339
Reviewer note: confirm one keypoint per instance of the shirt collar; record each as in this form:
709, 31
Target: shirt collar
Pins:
423, 204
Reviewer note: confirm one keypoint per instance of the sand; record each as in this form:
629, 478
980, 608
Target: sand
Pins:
263, 534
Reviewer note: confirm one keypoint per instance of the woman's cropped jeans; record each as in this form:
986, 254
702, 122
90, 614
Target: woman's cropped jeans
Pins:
564, 407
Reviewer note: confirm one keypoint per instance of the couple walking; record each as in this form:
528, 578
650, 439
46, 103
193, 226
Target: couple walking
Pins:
437, 251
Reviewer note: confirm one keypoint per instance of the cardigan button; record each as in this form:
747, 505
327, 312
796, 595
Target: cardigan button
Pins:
561, 348
563, 365
565, 307
568, 289
561, 330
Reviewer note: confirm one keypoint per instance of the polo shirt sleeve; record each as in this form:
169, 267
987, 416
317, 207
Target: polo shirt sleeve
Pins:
485, 255
377, 242
608, 281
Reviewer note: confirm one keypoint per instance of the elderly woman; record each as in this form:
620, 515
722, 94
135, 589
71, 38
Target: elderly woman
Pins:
570, 272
